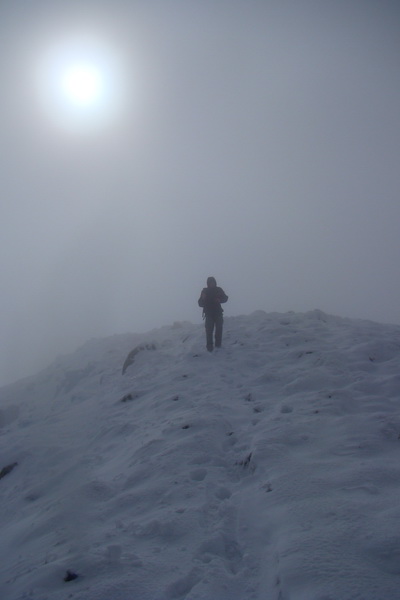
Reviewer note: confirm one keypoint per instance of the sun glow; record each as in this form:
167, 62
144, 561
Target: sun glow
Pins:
82, 84
79, 83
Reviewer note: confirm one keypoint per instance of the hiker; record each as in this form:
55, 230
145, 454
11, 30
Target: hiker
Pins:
210, 301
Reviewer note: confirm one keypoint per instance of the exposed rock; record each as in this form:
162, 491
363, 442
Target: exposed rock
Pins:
6, 470
131, 356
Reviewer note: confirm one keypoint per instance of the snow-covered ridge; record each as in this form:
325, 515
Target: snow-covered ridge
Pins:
266, 470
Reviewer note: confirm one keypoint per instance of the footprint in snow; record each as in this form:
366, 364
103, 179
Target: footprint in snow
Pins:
222, 547
222, 493
198, 474
183, 586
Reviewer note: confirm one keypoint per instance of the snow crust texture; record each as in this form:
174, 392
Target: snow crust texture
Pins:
266, 470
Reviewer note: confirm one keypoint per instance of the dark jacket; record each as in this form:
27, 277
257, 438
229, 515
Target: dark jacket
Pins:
211, 299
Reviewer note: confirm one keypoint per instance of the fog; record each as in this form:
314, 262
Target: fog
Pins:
254, 141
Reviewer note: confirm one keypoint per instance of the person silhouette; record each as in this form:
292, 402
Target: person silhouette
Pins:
210, 301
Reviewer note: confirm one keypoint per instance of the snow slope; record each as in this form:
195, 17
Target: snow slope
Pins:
267, 470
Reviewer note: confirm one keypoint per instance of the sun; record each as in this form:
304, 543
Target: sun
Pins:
79, 82
82, 84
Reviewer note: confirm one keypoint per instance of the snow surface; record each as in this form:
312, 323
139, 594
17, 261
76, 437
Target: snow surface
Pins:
267, 470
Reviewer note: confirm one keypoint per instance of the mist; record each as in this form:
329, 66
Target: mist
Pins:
257, 142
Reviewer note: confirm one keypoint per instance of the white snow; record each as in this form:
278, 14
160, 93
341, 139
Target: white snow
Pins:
267, 470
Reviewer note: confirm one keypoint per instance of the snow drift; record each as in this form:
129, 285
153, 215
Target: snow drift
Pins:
268, 470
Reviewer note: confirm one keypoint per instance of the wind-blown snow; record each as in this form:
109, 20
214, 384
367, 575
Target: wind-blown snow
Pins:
268, 470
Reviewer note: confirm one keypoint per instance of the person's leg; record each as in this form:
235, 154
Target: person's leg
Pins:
218, 330
209, 333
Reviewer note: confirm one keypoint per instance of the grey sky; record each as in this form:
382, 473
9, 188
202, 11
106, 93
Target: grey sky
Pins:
254, 141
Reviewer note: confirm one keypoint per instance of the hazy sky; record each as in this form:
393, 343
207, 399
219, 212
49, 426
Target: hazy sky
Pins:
251, 140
